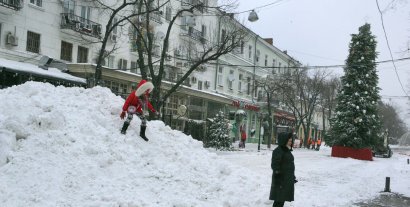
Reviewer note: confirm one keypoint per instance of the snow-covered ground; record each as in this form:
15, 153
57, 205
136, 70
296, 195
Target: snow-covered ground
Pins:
62, 147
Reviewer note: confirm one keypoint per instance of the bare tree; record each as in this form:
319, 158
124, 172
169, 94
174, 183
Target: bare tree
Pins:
118, 15
392, 121
301, 93
272, 85
196, 55
138, 15
328, 98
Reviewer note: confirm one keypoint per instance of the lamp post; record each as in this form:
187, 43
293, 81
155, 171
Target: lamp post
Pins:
260, 117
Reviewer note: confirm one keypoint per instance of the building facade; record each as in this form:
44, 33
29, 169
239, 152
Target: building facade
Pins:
71, 31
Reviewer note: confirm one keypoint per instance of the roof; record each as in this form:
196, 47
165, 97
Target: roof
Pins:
22, 67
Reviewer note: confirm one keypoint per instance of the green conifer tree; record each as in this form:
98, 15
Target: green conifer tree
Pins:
357, 123
218, 133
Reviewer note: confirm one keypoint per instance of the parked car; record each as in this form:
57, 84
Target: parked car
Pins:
381, 151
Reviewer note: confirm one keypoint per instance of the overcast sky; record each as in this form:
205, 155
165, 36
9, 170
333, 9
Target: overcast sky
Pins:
318, 32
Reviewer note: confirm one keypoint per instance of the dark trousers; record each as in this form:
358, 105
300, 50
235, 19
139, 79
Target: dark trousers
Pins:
278, 204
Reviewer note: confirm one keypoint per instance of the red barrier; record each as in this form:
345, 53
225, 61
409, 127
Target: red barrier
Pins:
360, 154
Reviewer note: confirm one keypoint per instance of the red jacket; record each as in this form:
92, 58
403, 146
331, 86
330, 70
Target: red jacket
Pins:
133, 100
243, 133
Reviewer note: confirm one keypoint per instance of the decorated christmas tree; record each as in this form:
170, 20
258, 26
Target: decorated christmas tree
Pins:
356, 123
218, 133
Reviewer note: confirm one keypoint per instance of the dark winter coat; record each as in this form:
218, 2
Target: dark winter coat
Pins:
283, 166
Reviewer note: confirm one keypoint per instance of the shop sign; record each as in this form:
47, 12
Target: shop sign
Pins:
243, 105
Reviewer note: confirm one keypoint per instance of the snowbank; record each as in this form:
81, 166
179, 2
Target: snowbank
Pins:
62, 147
69, 152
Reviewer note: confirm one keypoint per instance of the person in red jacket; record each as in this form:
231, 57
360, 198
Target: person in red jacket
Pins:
137, 103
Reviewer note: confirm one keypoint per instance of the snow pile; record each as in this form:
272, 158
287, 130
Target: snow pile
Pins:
62, 147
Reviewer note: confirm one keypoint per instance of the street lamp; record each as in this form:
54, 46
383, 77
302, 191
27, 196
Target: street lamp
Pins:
260, 117
253, 17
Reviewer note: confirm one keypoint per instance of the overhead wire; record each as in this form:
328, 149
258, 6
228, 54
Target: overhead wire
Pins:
288, 67
259, 7
388, 46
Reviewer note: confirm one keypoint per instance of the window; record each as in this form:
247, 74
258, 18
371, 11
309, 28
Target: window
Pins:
257, 55
184, 23
82, 56
279, 68
114, 30
0, 32
66, 51
223, 36
199, 85
37, 2
203, 31
260, 95
240, 83
133, 67
110, 61
248, 89
168, 13
122, 64
231, 78
242, 46
115, 87
85, 17
123, 89
273, 65
250, 52
266, 60
68, 6
33, 42
220, 76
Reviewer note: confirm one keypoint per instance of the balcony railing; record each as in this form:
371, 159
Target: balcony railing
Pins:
194, 34
175, 79
80, 24
155, 50
153, 16
199, 5
11, 4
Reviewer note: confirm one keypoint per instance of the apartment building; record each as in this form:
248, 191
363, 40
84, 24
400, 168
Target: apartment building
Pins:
70, 31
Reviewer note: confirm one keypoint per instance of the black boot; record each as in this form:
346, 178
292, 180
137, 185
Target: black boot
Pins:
124, 127
142, 133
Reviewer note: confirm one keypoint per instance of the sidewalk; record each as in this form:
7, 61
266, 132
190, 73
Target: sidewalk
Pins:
386, 200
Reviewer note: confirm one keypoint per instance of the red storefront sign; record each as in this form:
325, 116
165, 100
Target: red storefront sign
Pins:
283, 118
243, 105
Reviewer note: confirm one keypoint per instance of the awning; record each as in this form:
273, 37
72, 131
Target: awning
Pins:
285, 115
27, 68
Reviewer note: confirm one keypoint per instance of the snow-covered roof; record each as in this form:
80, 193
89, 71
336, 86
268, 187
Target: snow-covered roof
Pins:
34, 69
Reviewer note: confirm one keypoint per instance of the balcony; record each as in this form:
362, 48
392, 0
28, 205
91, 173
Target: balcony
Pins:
173, 78
156, 53
194, 34
153, 16
10, 5
80, 25
199, 5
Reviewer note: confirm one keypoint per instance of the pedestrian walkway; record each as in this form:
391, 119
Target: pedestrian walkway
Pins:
386, 200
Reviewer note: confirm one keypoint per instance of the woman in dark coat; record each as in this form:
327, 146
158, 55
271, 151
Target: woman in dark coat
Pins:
283, 177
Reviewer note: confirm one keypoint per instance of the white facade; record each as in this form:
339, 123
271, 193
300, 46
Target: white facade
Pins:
69, 30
